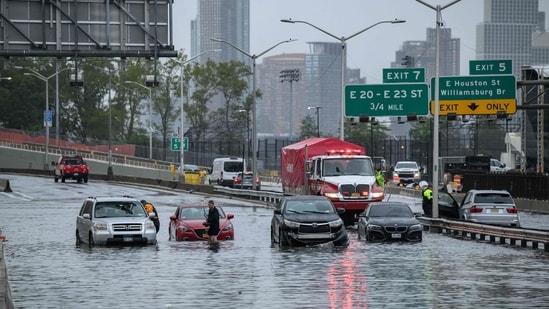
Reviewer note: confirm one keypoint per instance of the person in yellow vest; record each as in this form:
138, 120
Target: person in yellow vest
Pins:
202, 174
427, 203
149, 207
380, 179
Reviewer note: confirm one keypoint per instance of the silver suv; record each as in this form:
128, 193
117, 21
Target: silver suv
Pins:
114, 220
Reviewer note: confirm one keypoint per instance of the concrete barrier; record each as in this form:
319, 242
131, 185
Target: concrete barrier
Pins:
5, 185
6, 301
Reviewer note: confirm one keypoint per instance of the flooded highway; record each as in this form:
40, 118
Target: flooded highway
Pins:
47, 270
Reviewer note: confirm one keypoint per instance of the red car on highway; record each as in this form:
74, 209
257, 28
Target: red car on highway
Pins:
186, 223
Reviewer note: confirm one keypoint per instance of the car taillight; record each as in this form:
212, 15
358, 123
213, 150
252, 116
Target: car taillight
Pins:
475, 209
236, 180
512, 210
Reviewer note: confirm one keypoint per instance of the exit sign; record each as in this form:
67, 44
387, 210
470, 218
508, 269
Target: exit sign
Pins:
176, 144
404, 75
489, 67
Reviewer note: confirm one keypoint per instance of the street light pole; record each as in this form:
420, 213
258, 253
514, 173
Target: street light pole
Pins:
254, 118
46, 80
435, 171
150, 113
317, 119
343, 41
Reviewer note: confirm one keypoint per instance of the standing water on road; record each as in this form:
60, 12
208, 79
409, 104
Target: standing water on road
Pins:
47, 270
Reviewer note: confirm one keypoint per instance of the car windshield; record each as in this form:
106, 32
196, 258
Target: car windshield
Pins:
73, 161
390, 211
119, 209
198, 212
348, 166
310, 206
406, 165
494, 198
233, 166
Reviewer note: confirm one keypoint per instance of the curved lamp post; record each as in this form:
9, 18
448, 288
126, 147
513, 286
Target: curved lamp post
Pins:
343, 41
182, 115
254, 121
46, 80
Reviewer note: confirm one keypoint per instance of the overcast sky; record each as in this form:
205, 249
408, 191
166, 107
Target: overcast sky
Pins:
370, 51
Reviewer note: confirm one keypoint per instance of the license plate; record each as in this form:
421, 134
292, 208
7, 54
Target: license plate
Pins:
75, 174
205, 235
355, 194
128, 239
494, 210
396, 235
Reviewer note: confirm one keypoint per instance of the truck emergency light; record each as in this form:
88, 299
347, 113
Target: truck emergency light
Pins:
344, 152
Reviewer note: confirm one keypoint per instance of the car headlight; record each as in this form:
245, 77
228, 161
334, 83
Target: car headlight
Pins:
336, 223
332, 195
100, 226
150, 225
373, 227
415, 227
291, 224
183, 228
228, 227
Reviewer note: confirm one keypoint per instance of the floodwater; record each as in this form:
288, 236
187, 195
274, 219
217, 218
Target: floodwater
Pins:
47, 270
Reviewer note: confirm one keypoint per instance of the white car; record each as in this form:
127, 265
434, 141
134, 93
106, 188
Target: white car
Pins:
114, 220
489, 207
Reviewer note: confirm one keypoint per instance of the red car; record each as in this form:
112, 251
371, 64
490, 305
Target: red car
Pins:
186, 223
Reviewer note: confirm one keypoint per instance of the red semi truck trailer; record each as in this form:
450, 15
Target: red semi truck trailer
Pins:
333, 168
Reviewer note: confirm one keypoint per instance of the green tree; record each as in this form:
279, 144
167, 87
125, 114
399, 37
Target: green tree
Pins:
421, 131
307, 128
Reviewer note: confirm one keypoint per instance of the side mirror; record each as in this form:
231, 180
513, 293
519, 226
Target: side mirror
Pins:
86, 216
173, 217
340, 210
230, 216
277, 212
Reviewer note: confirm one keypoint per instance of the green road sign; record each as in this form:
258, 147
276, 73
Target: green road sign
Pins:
386, 100
176, 144
475, 95
402, 75
490, 67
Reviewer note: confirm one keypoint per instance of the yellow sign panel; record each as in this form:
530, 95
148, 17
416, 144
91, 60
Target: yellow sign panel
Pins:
474, 107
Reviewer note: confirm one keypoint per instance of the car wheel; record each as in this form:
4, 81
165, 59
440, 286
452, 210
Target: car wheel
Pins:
282, 239
91, 243
78, 241
272, 237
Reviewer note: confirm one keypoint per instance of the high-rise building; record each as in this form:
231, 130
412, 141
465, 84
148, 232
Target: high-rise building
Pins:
422, 54
225, 20
515, 30
282, 105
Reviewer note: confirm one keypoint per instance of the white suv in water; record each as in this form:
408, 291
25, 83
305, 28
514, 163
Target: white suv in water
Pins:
406, 172
114, 220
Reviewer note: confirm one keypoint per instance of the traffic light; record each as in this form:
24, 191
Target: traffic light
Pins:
408, 61
151, 81
76, 80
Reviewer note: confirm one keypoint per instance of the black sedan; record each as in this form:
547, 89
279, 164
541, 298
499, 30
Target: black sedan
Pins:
307, 220
389, 221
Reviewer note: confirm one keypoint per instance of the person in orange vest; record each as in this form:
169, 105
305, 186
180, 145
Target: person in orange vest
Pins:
149, 207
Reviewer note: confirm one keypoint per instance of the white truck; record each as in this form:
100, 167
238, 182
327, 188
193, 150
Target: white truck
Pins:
406, 172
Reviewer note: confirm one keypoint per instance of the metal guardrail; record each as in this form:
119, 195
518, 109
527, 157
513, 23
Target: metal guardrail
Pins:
269, 197
493, 234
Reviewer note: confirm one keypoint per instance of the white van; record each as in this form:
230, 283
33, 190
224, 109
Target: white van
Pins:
224, 170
